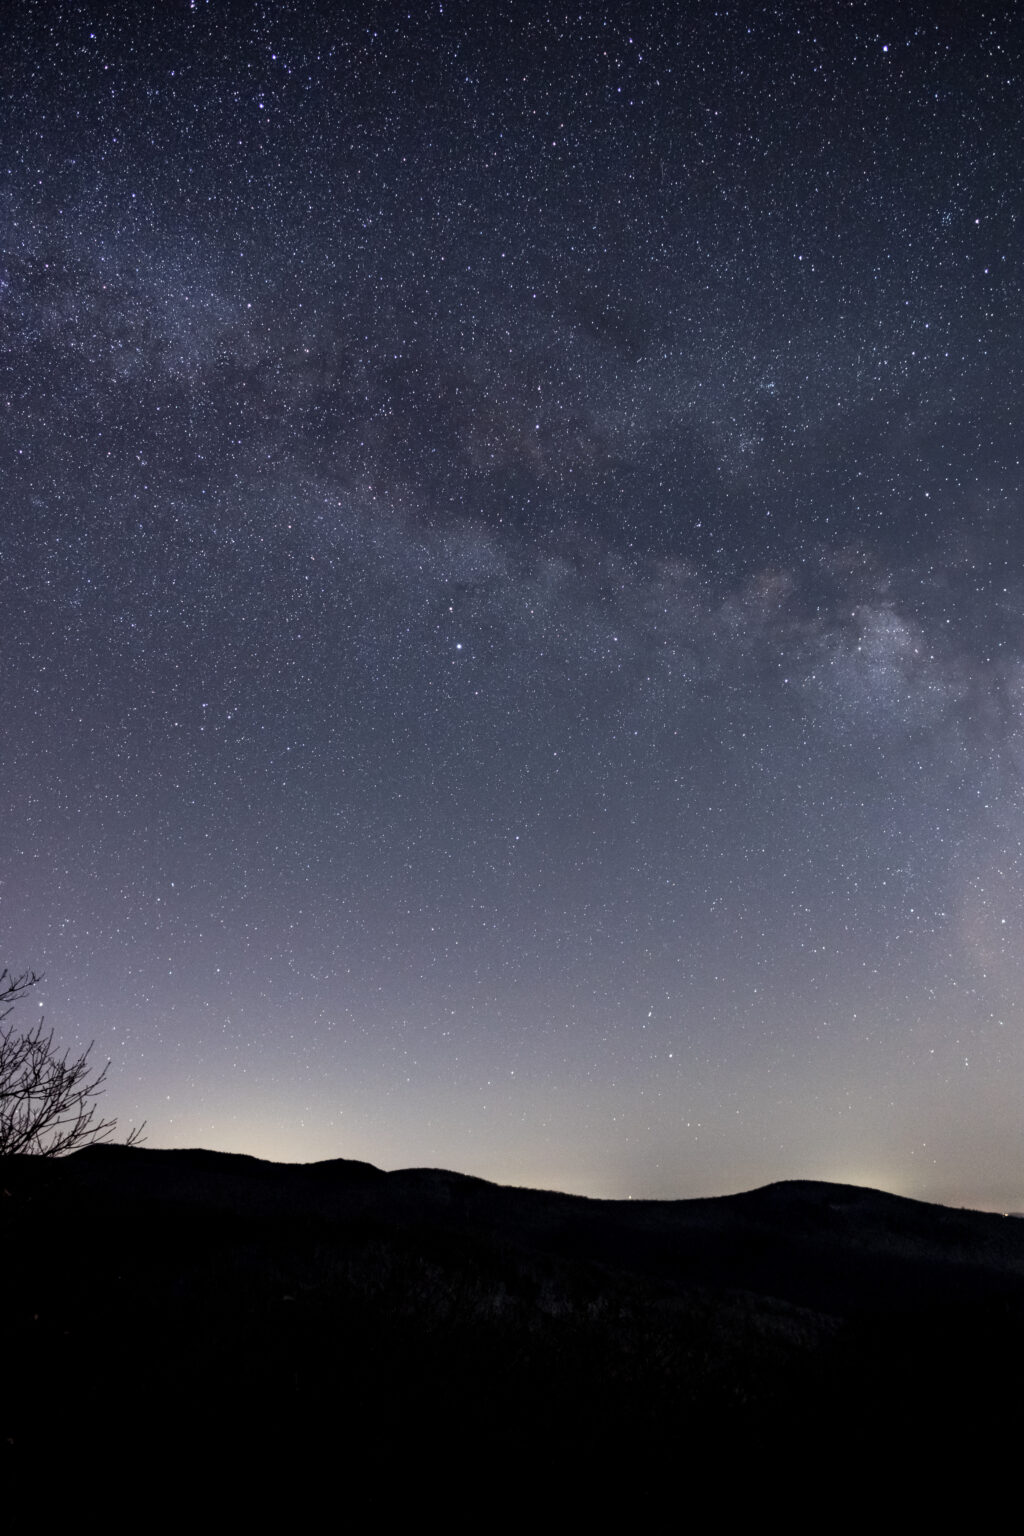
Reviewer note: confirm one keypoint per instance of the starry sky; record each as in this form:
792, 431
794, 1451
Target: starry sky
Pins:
513, 582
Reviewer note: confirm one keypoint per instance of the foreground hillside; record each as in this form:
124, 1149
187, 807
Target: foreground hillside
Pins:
411, 1314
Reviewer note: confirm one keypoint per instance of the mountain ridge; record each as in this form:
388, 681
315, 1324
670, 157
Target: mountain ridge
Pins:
312, 1303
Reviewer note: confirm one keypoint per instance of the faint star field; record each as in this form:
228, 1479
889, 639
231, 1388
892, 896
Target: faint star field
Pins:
513, 583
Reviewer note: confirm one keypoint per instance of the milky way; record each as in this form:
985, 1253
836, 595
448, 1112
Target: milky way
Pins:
513, 583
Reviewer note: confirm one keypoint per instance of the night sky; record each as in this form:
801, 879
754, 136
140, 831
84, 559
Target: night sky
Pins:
513, 583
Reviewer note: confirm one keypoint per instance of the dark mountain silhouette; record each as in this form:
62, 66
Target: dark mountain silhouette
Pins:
285, 1311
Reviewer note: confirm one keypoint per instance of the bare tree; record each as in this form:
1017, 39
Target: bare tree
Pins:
46, 1099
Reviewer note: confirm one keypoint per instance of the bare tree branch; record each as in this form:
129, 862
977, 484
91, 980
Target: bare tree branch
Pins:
46, 1099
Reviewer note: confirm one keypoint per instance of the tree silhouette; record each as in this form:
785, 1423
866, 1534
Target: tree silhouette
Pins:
46, 1099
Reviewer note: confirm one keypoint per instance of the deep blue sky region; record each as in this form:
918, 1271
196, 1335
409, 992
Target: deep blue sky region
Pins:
513, 582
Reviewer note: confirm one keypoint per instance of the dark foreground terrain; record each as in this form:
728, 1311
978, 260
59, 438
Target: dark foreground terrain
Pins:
160, 1305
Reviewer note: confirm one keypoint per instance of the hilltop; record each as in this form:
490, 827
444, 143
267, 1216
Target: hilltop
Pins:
393, 1313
